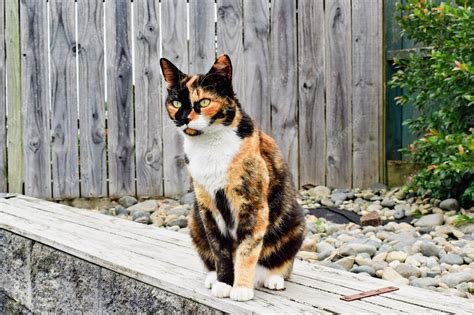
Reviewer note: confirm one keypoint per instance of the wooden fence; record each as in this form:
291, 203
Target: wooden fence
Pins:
82, 111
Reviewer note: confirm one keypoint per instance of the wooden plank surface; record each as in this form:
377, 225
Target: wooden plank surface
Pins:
121, 155
338, 93
256, 27
15, 113
143, 252
159, 251
284, 75
174, 48
35, 98
367, 69
230, 40
63, 87
91, 72
148, 110
311, 89
3, 109
202, 29
133, 259
327, 279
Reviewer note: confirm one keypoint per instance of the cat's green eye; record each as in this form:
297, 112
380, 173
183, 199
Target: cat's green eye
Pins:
205, 102
177, 104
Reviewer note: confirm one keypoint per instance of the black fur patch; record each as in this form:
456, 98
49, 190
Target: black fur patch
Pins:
245, 128
215, 82
181, 94
223, 206
284, 253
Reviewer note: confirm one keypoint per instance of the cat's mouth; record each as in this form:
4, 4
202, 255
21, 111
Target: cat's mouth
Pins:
192, 132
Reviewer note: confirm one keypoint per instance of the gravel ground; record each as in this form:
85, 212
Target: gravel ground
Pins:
428, 251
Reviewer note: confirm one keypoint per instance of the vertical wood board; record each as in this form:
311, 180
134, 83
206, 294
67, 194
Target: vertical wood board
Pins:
148, 111
175, 49
256, 81
366, 91
121, 155
91, 73
230, 39
63, 87
35, 98
284, 74
311, 88
338, 93
202, 29
13, 92
3, 111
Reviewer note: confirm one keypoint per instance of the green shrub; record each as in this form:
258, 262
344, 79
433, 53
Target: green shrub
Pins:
448, 165
439, 83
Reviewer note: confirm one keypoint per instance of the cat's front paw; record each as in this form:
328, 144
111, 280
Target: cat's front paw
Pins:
221, 289
274, 282
241, 294
211, 278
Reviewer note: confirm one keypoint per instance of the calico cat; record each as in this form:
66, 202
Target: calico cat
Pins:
246, 224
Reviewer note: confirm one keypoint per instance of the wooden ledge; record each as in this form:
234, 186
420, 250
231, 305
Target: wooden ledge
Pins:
165, 261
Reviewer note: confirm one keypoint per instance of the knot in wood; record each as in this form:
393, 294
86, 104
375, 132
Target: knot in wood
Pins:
76, 48
34, 144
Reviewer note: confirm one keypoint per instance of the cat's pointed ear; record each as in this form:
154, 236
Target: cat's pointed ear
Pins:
171, 73
223, 66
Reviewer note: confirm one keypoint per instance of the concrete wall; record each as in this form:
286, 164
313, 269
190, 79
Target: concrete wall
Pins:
38, 278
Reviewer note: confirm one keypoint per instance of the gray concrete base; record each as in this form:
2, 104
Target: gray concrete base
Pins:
38, 278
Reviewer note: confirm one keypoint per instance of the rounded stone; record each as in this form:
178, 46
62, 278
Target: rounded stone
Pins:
187, 199
430, 220
387, 203
121, 210
396, 256
449, 204
181, 222
127, 201
407, 270
367, 269
452, 259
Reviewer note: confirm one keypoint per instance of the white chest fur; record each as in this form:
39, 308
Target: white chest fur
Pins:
210, 155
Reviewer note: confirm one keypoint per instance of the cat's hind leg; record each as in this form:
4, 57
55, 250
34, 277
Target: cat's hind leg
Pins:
274, 278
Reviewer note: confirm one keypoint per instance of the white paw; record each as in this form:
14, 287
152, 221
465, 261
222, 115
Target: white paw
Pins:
221, 289
275, 282
211, 278
241, 294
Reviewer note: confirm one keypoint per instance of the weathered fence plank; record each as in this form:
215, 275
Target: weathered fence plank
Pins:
174, 48
63, 99
338, 93
312, 80
367, 90
119, 98
311, 87
90, 53
15, 113
284, 92
256, 97
148, 110
230, 39
35, 99
202, 29
3, 112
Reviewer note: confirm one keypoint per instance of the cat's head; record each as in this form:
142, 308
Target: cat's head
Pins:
199, 103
